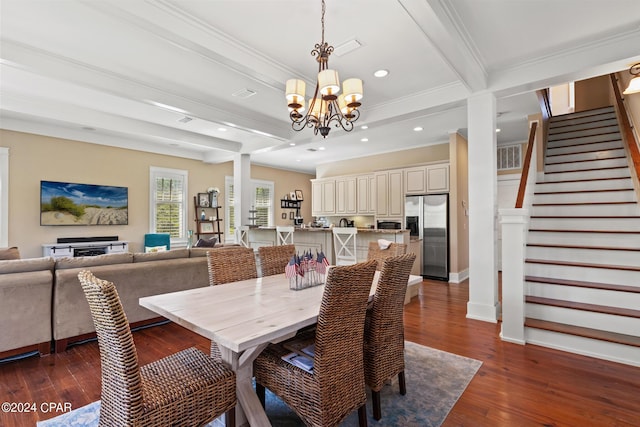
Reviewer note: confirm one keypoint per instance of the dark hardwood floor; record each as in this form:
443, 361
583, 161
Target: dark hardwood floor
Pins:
516, 385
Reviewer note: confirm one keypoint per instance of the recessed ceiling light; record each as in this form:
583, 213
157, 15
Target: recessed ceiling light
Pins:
497, 130
222, 129
364, 140
297, 160
321, 148
381, 73
293, 144
364, 127
417, 128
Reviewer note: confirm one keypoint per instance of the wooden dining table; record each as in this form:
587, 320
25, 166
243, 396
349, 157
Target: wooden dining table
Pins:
243, 318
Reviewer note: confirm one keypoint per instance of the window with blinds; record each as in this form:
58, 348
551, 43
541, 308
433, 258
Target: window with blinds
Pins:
261, 202
509, 157
169, 202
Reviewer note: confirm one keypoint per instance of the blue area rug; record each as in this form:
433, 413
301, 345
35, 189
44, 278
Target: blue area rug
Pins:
435, 380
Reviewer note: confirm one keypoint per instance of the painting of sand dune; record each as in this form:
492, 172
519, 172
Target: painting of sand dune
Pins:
63, 203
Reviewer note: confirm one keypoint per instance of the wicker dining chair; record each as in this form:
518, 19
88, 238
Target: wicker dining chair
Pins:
336, 386
384, 329
184, 389
231, 264
380, 255
273, 259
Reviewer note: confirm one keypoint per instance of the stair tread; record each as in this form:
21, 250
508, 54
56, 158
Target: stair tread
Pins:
584, 161
583, 203
616, 311
573, 153
604, 190
587, 170
582, 284
585, 231
583, 180
599, 248
578, 144
583, 264
549, 140
583, 332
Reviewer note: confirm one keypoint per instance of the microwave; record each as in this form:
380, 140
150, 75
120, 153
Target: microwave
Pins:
389, 225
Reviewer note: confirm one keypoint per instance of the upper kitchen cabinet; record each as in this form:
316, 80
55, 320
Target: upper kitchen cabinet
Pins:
346, 200
426, 179
389, 194
366, 192
323, 201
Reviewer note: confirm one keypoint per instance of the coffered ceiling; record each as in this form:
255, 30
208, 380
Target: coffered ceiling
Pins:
204, 79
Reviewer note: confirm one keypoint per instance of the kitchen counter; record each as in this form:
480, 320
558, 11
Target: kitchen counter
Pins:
327, 229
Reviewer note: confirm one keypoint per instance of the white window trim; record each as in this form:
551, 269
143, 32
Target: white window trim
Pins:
158, 171
4, 196
228, 181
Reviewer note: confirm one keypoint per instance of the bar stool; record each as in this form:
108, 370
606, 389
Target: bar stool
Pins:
242, 235
344, 245
284, 235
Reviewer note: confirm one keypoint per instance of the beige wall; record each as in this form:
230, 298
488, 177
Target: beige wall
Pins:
33, 158
397, 159
459, 198
592, 93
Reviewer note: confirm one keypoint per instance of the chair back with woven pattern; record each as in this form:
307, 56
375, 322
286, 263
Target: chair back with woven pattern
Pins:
394, 249
340, 334
273, 259
231, 264
121, 397
384, 327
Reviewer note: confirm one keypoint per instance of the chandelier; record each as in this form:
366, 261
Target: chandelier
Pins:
327, 105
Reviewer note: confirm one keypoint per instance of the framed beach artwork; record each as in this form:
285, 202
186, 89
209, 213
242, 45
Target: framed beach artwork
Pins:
206, 227
66, 203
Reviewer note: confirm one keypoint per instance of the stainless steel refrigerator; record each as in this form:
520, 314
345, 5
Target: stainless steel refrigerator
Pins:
427, 218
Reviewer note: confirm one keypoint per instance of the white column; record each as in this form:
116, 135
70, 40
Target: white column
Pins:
4, 196
241, 188
514, 224
483, 184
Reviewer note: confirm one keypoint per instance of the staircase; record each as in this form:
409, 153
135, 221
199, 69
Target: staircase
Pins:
582, 267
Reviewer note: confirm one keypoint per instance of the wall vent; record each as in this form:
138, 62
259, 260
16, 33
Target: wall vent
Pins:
510, 157
244, 93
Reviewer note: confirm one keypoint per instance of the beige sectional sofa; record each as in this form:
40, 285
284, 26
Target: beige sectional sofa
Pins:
41, 300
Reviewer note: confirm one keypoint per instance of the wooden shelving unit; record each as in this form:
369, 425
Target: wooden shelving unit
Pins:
207, 227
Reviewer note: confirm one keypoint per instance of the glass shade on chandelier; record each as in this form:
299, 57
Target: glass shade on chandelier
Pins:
327, 106
634, 84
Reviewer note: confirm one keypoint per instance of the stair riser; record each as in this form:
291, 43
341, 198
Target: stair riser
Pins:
560, 136
610, 145
592, 256
585, 239
588, 319
556, 124
585, 295
584, 125
590, 197
587, 210
584, 140
601, 349
597, 164
607, 184
589, 115
582, 175
585, 274
593, 224
578, 157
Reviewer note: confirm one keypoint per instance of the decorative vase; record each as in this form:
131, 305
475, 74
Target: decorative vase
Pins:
203, 216
189, 239
214, 200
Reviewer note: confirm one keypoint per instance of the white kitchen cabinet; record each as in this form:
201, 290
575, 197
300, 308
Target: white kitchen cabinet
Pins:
346, 200
438, 178
426, 179
366, 194
323, 201
389, 194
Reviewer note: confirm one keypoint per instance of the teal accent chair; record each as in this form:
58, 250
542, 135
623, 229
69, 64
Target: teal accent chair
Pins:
157, 239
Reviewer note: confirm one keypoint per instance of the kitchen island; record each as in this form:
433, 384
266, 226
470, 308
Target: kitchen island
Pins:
321, 239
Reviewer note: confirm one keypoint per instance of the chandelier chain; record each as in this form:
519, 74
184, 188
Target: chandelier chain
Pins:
322, 21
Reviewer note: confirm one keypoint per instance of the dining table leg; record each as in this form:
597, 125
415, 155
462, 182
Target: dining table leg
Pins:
249, 411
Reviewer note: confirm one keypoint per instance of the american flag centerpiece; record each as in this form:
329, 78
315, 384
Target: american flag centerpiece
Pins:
304, 271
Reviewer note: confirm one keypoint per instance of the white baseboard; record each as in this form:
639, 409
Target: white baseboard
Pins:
459, 276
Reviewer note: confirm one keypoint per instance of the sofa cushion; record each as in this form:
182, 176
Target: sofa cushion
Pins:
91, 261
25, 265
156, 256
9, 253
